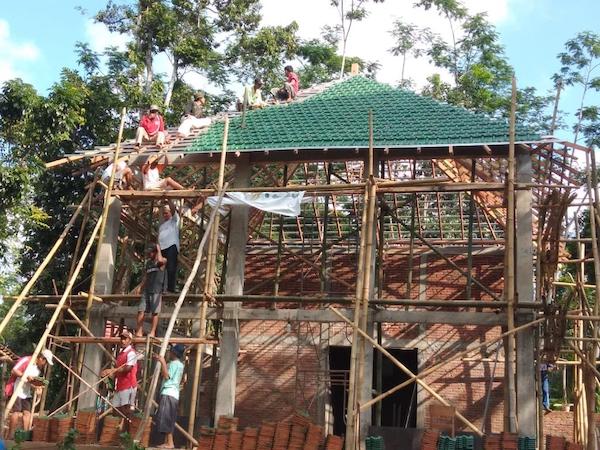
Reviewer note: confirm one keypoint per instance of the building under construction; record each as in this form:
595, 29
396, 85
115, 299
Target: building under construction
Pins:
418, 287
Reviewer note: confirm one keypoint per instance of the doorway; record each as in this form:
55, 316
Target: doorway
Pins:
397, 410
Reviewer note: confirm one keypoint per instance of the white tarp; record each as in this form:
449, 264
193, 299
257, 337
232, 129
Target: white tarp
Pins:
284, 203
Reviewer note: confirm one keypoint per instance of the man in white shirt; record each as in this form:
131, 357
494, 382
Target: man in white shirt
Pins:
23, 404
168, 241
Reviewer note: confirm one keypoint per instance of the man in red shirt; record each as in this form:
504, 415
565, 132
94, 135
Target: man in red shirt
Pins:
290, 88
125, 374
152, 128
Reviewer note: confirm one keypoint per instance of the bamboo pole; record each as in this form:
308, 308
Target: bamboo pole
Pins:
208, 284
184, 291
89, 388
6, 319
57, 311
509, 288
408, 372
107, 195
350, 409
107, 198
87, 331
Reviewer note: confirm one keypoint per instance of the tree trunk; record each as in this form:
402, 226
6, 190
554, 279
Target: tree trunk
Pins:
149, 70
174, 76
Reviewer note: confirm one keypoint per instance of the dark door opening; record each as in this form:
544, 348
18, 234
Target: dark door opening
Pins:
397, 410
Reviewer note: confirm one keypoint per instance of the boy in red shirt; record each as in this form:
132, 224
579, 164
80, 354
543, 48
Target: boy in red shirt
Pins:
125, 374
152, 128
290, 88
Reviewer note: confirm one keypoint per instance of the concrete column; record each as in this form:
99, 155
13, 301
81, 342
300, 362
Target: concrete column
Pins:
107, 253
525, 342
234, 285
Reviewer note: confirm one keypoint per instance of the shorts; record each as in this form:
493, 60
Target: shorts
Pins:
167, 414
150, 303
124, 397
22, 404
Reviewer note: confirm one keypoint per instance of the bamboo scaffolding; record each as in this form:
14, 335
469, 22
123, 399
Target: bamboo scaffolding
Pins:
42, 342
19, 299
455, 357
408, 372
182, 295
209, 285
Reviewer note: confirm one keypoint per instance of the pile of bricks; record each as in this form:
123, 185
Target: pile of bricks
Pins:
297, 434
560, 443
430, 440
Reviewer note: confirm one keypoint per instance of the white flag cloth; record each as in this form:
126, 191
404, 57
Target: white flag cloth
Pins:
284, 203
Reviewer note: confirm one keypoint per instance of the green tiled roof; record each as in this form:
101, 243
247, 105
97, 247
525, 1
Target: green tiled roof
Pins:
338, 118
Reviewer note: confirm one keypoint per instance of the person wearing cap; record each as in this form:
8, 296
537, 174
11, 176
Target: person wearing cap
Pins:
125, 375
23, 404
252, 96
168, 242
152, 128
193, 116
172, 373
153, 286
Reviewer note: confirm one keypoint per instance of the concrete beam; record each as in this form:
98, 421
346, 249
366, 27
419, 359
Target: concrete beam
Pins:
320, 315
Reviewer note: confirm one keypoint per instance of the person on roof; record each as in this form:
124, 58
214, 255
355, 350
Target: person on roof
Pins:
151, 176
172, 373
23, 405
193, 116
125, 375
155, 282
123, 175
290, 88
152, 128
252, 96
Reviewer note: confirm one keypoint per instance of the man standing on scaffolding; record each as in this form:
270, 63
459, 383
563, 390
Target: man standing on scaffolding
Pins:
168, 240
125, 374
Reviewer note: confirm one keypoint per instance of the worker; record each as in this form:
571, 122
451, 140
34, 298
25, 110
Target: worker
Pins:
252, 96
544, 369
125, 375
152, 288
290, 87
168, 405
168, 241
123, 175
152, 128
193, 116
151, 170
23, 405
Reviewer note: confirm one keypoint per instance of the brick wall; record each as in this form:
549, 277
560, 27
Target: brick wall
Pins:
275, 358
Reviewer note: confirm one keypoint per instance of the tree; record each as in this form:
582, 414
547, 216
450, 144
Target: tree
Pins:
408, 40
580, 66
349, 11
188, 32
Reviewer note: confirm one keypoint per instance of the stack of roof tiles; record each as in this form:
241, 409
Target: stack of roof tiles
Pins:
297, 434
456, 443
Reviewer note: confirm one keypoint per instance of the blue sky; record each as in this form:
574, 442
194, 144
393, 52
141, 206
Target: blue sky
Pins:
37, 37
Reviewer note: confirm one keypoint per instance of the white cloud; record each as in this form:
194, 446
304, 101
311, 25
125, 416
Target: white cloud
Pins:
14, 55
99, 37
370, 39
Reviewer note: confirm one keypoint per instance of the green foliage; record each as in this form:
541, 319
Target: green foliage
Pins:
128, 443
408, 40
580, 67
68, 443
